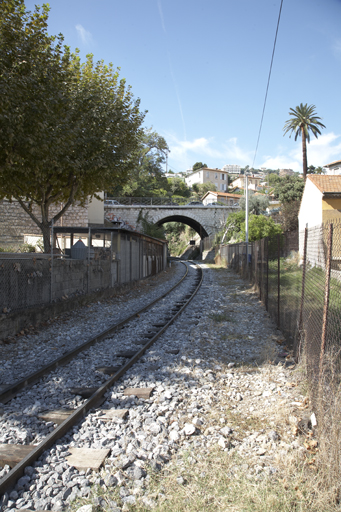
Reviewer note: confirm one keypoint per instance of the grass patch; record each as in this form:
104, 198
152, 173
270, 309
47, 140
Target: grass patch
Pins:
221, 317
222, 481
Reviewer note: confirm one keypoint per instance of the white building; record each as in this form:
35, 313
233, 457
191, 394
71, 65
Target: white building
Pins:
332, 169
215, 176
253, 182
232, 169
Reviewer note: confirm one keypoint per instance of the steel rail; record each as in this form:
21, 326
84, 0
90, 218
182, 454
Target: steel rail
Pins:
15, 473
13, 389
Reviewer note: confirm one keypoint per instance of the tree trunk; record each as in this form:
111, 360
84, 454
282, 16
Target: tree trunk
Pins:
46, 231
304, 151
45, 227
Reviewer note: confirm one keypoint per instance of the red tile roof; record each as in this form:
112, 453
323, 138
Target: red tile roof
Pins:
333, 163
326, 183
225, 194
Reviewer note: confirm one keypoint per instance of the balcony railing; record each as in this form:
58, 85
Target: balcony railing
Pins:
155, 201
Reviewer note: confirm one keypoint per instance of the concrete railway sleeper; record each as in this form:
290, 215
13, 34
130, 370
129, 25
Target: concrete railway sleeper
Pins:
91, 363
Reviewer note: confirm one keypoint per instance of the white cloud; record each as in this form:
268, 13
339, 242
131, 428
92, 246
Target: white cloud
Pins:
184, 153
161, 16
236, 155
204, 148
336, 47
282, 162
86, 37
320, 152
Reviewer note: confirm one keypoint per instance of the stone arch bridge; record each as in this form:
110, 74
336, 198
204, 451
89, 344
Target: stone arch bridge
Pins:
205, 220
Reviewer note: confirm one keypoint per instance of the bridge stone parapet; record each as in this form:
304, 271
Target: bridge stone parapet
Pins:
205, 220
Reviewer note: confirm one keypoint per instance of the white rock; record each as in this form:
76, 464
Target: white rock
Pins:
197, 422
313, 420
189, 429
222, 442
86, 508
120, 477
174, 436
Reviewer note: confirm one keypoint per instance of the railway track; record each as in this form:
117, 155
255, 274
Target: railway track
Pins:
95, 359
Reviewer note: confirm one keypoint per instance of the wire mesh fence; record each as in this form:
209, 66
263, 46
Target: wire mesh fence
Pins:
81, 262
300, 289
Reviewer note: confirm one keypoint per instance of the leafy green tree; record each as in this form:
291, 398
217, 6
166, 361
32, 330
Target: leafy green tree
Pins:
274, 178
178, 187
146, 176
257, 204
199, 165
289, 188
200, 189
149, 228
314, 170
260, 227
304, 120
233, 226
67, 130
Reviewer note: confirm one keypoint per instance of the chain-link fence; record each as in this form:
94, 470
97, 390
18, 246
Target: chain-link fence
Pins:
81, 262
300, 289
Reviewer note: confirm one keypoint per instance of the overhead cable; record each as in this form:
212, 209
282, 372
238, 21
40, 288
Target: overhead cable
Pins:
267, 87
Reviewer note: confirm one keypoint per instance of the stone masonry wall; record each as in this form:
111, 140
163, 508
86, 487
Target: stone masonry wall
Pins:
210, 218
15, 222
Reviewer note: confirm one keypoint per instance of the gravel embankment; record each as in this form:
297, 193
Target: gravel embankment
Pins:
224, 341
23, 354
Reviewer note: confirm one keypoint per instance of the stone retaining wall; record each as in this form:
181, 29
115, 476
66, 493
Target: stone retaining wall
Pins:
15, 222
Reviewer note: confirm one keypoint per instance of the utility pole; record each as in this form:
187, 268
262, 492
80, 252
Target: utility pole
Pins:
247, 218
246, 209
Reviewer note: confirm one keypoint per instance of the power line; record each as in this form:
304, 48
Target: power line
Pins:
267, 87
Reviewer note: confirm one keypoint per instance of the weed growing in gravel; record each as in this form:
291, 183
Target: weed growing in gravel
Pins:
220, 481
221, 317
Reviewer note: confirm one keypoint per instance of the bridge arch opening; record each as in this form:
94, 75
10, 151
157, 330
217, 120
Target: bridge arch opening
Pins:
185, 220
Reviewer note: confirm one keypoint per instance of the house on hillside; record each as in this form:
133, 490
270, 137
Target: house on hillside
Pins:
232, 169
215, 176
221, 197
333, 169
253, 182
321, 202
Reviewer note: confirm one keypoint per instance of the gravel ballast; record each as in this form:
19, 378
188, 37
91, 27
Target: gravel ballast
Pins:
219, 358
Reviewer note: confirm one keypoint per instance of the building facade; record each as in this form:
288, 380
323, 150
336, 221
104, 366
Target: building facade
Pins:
215, 176
333, 169
253, 182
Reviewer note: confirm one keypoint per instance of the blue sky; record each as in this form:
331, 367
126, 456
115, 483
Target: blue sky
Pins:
201, 67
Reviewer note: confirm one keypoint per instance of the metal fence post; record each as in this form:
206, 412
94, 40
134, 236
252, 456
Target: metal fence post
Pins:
261, 269
300, 321
89, 244
267, 274
278, 279
52, 236
326, 295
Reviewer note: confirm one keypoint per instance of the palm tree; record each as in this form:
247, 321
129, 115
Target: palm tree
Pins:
303, 121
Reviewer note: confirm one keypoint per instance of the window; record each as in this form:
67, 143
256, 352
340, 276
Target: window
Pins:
207, 174
223, 176
216, 184
223, 187
216, 176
